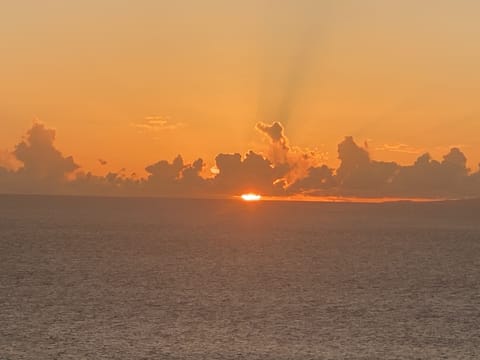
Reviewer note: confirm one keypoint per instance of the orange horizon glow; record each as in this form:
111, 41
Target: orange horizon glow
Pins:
344, 199
353, 199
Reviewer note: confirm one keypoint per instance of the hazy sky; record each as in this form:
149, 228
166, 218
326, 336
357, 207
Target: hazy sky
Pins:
132, 82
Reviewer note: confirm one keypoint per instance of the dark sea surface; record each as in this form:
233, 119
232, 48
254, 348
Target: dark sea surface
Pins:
106, 278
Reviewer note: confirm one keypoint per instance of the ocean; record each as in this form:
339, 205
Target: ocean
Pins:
131, 278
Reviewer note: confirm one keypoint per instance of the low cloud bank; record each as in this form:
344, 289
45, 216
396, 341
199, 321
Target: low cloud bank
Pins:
283, 170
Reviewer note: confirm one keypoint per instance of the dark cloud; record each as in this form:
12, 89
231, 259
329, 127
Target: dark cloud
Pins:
319, 179
112, 184
44, 169
175, 178
431, 178
8, 160
274, 132
254, 173
164, 173
473, 184
358, 174
191, 175
40, 159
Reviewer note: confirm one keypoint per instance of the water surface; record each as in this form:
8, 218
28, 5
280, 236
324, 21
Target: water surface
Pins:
105, 278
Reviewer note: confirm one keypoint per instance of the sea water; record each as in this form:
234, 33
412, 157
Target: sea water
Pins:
113, 278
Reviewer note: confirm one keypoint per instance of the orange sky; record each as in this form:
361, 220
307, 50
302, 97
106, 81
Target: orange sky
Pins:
402, 75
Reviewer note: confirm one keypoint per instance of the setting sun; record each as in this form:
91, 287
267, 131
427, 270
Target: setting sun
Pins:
251, 197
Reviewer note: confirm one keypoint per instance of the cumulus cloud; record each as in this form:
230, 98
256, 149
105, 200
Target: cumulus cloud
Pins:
278, 143
42, 168
112, 184
431, 178
318, 180
176, 178
40, 159
253, 173
164, 172
358, 174
280, 152
8, 160
274, 132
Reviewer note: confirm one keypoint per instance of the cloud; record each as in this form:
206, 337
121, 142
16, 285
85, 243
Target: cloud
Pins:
40, 159
278, 143
8, 160
280, 152
318, 180
253, 173
358, 174
274, 132
399, 148
44, 169
164, 172
175, 178
431, 178
102, 162
156, 124
112, 184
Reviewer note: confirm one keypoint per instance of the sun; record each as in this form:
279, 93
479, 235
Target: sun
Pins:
251, 197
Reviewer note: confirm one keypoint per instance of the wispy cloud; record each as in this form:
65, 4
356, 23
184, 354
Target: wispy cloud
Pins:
157, 123
400, 148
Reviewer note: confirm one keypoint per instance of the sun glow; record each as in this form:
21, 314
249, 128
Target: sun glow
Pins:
251, 197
